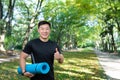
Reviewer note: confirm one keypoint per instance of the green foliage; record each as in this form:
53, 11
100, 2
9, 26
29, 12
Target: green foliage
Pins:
65, 25
10, 42
110, 26
14, 41
78, 65
34, 33
74, 22
1, 26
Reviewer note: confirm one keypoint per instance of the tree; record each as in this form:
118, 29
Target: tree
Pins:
66, 19
6, 17
30, 13
110, 19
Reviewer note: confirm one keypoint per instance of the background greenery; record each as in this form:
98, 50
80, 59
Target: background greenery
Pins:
75, 23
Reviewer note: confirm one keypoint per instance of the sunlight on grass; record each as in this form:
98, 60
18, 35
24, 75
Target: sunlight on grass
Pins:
82, 65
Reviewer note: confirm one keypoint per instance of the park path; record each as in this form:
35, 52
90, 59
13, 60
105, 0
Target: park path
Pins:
9, 58
110, 63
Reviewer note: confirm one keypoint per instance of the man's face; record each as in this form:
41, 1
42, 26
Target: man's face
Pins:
44, 31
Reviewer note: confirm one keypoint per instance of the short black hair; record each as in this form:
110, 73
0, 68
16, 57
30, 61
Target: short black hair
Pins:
43, 22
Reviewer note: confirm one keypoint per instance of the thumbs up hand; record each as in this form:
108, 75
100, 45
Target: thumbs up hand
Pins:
57, 54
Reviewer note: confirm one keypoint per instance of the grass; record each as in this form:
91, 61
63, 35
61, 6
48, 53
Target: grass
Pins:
82, 65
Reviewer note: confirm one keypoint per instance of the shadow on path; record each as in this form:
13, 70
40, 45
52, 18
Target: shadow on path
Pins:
110, 63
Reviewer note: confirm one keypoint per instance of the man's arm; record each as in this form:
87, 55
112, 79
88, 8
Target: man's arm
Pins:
23, 57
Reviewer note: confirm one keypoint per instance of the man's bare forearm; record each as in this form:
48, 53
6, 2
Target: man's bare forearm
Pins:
22, 64
23, 61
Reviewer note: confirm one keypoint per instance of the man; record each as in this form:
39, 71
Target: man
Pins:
43, 50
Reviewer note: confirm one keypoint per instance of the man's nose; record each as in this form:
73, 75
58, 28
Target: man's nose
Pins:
44, 30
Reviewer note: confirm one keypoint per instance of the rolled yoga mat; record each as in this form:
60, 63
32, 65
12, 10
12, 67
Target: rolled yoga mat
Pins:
37, 68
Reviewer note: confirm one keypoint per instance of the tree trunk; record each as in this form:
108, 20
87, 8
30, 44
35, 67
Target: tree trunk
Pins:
32, 23
1, 10
10, 17
4, 25
27, 34
2, 37
2, 31
113, 44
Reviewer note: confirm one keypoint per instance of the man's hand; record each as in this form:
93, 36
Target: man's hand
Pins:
59, 57
57, 54
27, 74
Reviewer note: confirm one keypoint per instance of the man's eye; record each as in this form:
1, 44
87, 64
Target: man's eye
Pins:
47, 29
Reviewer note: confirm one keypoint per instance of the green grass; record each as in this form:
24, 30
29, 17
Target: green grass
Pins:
82, 65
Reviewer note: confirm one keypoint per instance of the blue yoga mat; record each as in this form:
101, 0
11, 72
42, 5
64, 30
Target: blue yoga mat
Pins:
38, 68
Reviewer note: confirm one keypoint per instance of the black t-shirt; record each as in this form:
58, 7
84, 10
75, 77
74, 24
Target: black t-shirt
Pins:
42, 52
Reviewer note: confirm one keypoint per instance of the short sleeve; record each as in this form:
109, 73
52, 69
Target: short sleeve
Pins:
59, 49
28, 48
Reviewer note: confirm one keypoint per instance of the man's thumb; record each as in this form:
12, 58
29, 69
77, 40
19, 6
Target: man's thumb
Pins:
56, 49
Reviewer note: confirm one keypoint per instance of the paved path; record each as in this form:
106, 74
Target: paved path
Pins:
110, 64
9, 59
